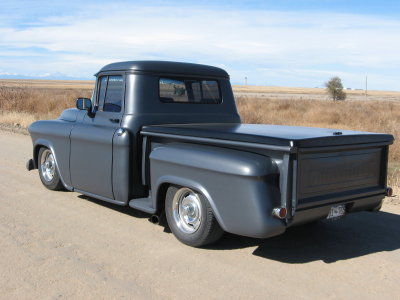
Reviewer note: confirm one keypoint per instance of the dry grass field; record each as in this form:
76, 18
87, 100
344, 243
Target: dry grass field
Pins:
295, 93
24, 101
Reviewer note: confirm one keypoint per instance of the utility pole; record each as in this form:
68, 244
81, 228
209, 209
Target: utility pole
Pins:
245, 80
366, 87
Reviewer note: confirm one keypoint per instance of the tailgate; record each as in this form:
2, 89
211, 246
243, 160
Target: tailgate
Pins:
325, 177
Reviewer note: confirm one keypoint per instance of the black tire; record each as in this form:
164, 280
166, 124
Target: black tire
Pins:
51, 182
377, 208
208, 230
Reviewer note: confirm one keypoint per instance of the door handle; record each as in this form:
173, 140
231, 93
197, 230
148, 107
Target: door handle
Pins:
114, 120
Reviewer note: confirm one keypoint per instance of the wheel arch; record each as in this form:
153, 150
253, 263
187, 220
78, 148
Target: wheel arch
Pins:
43, 143
166, 181
36, 150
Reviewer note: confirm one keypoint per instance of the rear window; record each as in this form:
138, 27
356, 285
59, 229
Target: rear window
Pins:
180, 90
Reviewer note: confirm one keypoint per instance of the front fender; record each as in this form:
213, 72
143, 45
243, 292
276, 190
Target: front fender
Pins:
53, 134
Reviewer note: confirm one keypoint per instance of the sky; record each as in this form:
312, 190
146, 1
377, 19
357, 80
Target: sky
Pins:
277, 43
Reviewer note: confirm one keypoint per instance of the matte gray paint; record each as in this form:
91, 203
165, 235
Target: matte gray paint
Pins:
215, 159
213, 141
166, 67
243, 170
55, 136
240, 186
69, 115
99, 197
144, 204
279, 135
91, 157
120, 167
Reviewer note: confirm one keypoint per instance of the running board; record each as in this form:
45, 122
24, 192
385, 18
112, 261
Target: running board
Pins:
143, 204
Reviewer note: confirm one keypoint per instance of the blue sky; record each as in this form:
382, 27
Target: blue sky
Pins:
281, 43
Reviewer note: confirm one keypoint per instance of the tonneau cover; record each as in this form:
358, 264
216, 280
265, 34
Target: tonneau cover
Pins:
279, 135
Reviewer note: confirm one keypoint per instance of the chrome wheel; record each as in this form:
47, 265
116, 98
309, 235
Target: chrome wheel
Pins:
186, 208
47, 165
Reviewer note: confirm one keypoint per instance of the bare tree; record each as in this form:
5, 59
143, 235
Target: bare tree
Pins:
334, 88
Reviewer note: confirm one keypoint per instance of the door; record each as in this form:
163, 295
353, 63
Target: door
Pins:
91, 140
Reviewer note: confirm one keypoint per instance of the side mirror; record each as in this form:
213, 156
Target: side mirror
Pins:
85, 104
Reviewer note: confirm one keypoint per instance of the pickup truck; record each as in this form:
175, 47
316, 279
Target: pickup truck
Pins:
166, 138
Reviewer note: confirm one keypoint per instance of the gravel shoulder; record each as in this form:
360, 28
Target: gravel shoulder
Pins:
64, 245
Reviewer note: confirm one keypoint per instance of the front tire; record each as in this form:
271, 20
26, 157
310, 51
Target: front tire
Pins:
48, 171
190, 217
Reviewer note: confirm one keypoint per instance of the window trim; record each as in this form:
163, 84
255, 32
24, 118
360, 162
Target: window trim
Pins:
182, 78
100, 108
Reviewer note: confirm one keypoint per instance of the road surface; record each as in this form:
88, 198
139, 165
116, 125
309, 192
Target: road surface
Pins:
63, 245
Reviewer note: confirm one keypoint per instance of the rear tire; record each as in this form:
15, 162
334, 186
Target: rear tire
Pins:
48, 171
190, 217
377, 208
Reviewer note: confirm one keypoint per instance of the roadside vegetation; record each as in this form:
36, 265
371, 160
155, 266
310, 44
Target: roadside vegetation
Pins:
21, 104
334, 88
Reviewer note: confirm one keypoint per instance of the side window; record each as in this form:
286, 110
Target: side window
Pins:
114, 94
110, 93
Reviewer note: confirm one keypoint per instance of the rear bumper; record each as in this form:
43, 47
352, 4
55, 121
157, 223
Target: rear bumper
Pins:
311, 214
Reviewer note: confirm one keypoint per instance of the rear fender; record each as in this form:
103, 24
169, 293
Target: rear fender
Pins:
241, 187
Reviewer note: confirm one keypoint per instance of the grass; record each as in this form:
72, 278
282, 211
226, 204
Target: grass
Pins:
22, 102
372, 116
307, 91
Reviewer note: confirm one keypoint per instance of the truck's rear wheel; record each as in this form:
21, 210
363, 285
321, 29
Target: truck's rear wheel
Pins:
377, 208
190, 217
48, 171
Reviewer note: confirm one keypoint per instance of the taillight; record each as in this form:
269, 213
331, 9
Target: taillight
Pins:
279, 212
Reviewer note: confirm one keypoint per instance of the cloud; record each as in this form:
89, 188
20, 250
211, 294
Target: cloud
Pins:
246, 41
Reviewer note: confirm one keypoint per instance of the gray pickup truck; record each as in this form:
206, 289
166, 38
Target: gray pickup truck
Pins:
166, 137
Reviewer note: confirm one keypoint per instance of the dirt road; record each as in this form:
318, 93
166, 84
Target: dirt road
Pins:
63, 245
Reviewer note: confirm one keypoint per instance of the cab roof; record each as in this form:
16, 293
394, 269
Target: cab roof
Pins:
166, 67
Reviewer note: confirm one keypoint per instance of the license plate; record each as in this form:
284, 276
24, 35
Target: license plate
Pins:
337, 211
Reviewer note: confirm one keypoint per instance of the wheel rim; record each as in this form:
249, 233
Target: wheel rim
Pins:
47, 165
186, 207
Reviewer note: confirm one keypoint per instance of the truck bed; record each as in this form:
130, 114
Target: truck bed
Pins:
322, 167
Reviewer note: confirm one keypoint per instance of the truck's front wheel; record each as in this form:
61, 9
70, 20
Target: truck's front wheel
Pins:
48, 171
190, 217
